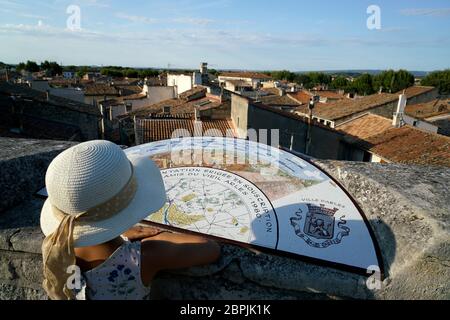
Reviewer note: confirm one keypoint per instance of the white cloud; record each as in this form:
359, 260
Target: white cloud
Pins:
147, 20
139, 19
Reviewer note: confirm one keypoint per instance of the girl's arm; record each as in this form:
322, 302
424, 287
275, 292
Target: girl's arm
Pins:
172, 251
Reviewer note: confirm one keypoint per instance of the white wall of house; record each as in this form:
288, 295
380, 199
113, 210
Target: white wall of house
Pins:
419, 124
182, 82
154, 95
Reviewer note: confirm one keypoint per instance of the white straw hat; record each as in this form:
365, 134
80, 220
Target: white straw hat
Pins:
90, 174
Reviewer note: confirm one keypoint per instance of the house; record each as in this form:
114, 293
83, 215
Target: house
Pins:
164, 127
184, 82
91, 76
336, 113
378, 140
435, 113
94, 93
191, 105
238, 86
190, 102
255, 120
37, 114
329, 96
253, 79
68, 74
278, 99
420, 94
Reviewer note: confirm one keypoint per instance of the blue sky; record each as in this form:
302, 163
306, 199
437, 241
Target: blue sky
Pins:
239, 34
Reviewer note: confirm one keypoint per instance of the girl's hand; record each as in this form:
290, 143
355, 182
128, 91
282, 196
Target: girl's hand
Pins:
139, 232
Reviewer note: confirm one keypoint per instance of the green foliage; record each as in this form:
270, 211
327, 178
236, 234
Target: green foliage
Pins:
319, 78
112, 72
214, 72
52, 67
393, 81
363, 85
148, 73
131, 73
29, 66
439, 79
82, 71
340, 83
283, 75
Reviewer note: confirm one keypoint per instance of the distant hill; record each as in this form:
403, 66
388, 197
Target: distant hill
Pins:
353, 73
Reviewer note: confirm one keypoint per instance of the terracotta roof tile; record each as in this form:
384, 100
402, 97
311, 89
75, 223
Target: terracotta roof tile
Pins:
430, 109
285, 100
178, 106
403, 145
163, 129
254, 75
100, 90
366, 126
414, 91
341, 109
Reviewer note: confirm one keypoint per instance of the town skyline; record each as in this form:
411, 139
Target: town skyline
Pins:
298, 36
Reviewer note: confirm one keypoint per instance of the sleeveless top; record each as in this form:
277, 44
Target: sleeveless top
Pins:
118, 278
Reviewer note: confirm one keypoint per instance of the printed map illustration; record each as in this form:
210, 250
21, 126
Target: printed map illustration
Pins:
257, 195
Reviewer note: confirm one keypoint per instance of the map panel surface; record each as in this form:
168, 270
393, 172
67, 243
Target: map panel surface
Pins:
257, 195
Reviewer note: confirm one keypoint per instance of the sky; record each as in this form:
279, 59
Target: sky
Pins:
229, 34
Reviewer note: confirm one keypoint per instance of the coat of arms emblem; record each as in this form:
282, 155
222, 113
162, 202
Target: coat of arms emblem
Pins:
320, 226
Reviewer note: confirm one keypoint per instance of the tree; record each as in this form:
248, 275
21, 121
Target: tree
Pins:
439, 79
340, 83
112, 72
213, 72
283, 75
305, 80
52, 67
82, 71
148, 73
393, 81
131, 73
319, 78
29, 66
363, 85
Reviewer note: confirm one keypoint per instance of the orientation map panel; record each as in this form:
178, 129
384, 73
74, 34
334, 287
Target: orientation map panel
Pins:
260, 196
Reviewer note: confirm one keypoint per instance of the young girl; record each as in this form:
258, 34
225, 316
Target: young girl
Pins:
96, 197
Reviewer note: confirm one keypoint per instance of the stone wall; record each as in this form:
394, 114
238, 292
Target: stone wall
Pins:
407, 208
88, 124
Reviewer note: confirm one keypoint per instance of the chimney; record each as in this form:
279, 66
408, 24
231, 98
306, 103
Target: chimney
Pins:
197, 114
282, 91
398, 121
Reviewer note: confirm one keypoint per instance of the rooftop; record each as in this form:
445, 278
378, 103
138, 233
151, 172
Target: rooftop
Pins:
163, 128
402, 145
366, 126
245, 75
344, 108
25, 92
430, 109
277, 100
101, 90
415, 91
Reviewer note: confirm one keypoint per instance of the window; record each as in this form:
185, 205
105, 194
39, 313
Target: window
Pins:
166, 109
129, 108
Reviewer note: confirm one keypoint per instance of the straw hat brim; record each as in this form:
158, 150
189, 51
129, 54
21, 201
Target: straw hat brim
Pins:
150, 197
